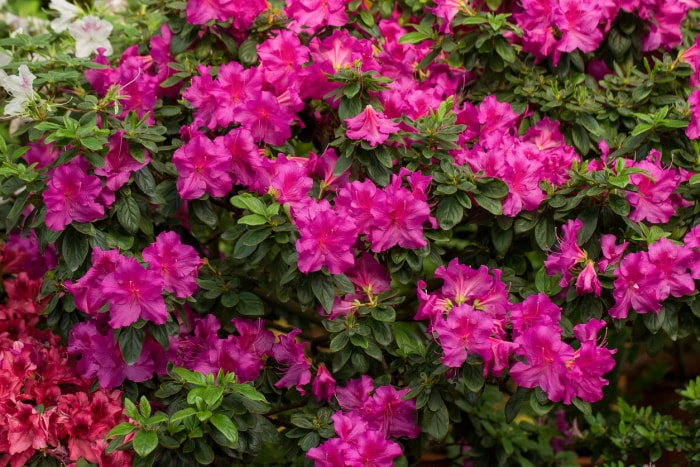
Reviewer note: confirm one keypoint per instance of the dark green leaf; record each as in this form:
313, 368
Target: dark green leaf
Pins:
449, 213
250, 304
74, 248
323, 289
131, 342
128, 214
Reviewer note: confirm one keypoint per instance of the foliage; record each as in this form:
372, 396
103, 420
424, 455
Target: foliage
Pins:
362, 231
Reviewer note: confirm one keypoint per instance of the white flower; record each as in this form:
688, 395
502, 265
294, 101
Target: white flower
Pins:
19, 87
91, 33
67, 12
111, 5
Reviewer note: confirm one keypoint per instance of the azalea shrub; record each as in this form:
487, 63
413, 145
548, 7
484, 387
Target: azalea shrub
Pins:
346, 233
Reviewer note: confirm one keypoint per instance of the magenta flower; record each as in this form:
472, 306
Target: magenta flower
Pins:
672, 261
357, 200
612, 253
281, 58
203, 95
399, 219
466, 331
587, 280
546, 358
389, 414
371, 126
134, 292
591, 363
86, 290
323, 386
202, 167
119, 163
373, 450
693, 130
71, 195
177, 263
534, 310
653, 200
326, 238
291, 355
569, 253
355, 394
636, 286
266, 120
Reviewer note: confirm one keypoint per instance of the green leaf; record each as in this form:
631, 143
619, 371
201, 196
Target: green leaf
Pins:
504, 49
436, 422
128, 214
514, 403
74, 248
491, 205
122, 429
473, 377
253, 219
413, 38
339, 342
385, 314
250, 304
583, 406
249, 392
449, 213
324, 290
131, 342
182, 414
224, 424
204, 211
309, 440
203, 453
145, 442
145, 407
249, 202
544, 233
248, 52
654, 321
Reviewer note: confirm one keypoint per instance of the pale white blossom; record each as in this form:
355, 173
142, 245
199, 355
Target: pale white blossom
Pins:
67, 11
114, 6
20, 88
91, 33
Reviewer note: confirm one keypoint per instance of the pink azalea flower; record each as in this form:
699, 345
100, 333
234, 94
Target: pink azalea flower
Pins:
134, 292
119, 163
466, 331
266, 120
313, 14
202, 167
357, 200
545, 364
399, 219
326, 238
291, 355
587, 280
636, 286
355, 395
611, 253
389, 414
693, 130
323, 386
591, 362
672, 261
371, 126
203, 94
177, 263
86, 290
652, 200
203, 11
569, 255
71, 195
534, 310
373, 450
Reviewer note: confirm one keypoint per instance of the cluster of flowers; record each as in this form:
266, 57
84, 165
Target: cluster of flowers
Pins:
46, 406
491, 146
471, 314
644, 279
368, 418
553, 27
